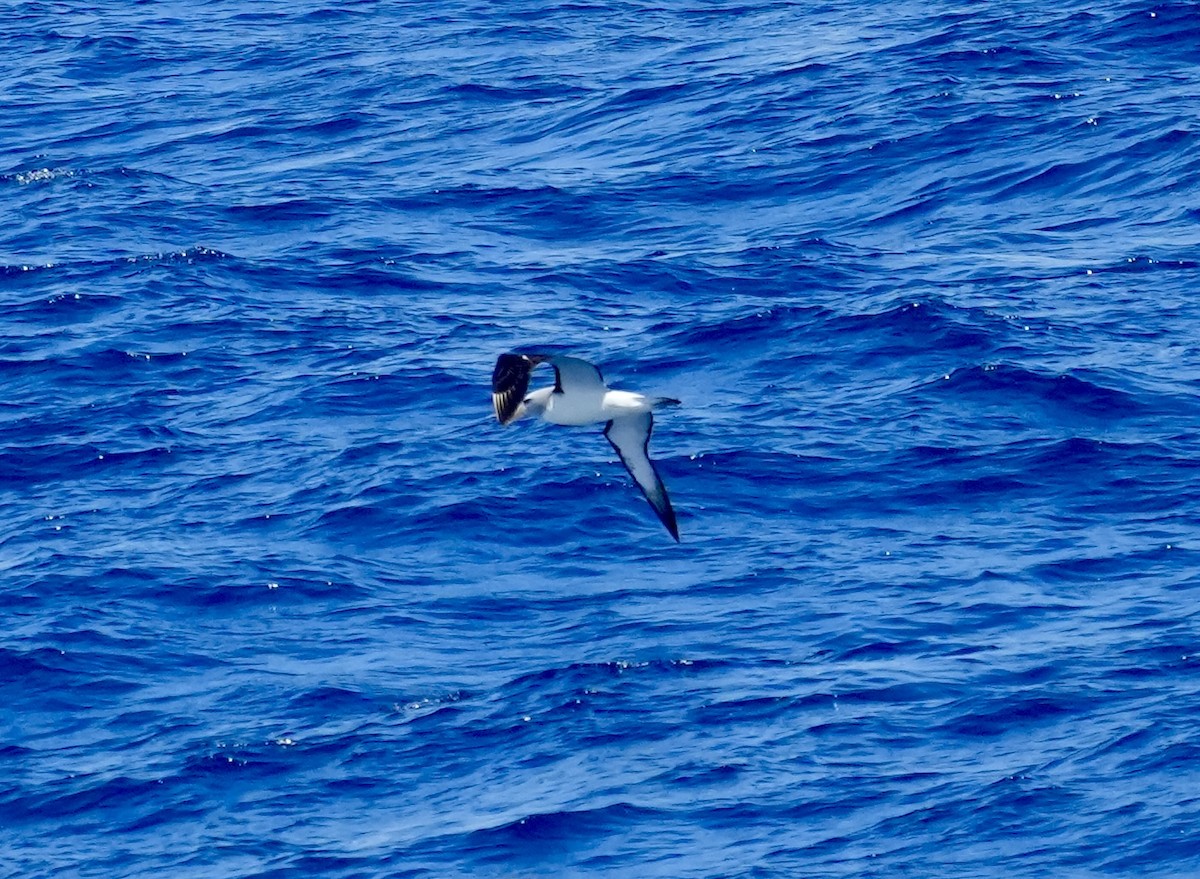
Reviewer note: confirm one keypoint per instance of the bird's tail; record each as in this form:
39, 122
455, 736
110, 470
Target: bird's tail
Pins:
659, 402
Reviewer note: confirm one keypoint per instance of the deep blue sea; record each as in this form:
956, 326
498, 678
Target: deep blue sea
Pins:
281, 598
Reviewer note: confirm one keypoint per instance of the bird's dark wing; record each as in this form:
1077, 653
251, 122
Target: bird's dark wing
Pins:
510, 383
630, 436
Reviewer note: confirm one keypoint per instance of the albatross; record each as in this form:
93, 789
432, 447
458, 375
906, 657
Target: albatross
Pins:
579, 397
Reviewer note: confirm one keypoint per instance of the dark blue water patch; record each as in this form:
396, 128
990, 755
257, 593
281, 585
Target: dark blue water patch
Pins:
364, 273
925, 326
1159, 662
76, 282
1016, 715
826, 341
57, 671
291, 211
361, 518
531, 89
761, 709
1064, 396
20, 664
527, 839
1092, 570
747, 327
1141, 263
228, 768
1173, 755
545, 213
120, 799
587, 676
1164, 35
1096, 175
570, 506
1061, 178
330, 700
27, 467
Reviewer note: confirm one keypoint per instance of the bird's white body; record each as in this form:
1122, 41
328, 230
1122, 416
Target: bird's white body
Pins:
579, 397
578, 408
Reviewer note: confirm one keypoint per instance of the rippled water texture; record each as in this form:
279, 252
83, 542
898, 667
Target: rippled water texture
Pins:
283, 599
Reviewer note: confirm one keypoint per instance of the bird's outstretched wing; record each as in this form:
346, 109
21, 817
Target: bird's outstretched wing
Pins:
630, 436
510, 383
572, 374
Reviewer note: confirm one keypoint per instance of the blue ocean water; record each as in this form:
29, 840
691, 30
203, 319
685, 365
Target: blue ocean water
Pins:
282, 599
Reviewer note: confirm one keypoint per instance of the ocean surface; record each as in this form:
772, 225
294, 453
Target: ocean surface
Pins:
281, 599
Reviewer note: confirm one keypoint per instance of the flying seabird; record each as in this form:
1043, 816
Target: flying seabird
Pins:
580, 396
